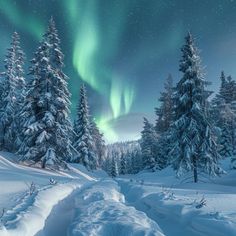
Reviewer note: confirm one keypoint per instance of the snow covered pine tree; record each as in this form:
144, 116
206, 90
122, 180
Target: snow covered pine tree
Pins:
83, 141
223, 115
148, 142
165, 111
164, 120
99, 143
46, 127
123, 164
12, 95
114, 168
226, 148
194, 147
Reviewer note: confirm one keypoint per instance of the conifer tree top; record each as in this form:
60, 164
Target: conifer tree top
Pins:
190, 62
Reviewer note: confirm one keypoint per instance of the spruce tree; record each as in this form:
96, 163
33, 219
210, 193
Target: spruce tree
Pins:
226, 147
135, 162
223, 115
99, 143
163, 123
139, 159
227, 127
230, 88
46, 127
12, 95
129, 166
123, 164
163, 147
218, 101
114, 168
227, 89
194, 148
83, 142
148, 145
165, 111
223, 87
233, 132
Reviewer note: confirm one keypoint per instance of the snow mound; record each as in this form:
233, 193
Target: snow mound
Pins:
28, 195
32, 220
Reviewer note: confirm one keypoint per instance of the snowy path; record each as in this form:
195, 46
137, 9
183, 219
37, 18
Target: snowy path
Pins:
61, 216
98, 209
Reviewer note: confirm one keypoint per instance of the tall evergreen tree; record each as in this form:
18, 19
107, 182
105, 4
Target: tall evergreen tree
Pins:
227, 127
231, 90
165, 111
218, 101
99, 143
163, 147
148, 145
135, 162
223, 116
47, 126
227, 92
223, 93
123, 164
114, 167
193, 145
12, 95
83, 142
226, 147
164, 120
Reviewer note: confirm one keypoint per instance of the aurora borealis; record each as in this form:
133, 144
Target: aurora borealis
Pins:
124, 49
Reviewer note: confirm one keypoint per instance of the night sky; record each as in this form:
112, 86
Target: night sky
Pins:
124, 49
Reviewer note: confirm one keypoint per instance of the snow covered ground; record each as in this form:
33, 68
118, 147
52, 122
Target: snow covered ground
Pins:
76, 202
184, 208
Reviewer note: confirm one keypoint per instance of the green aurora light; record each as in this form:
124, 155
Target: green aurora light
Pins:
124, 49
21, 19
88, 60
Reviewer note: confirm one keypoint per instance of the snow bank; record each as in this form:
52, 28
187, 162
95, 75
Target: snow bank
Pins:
32, 220
25, 213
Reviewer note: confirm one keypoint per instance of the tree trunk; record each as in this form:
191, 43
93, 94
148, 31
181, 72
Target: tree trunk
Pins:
195, 174
43, 164
3, 138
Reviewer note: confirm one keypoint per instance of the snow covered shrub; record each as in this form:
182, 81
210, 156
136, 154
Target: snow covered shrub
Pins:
52, 181
167, 193
201, 203
32, 188
2, 214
